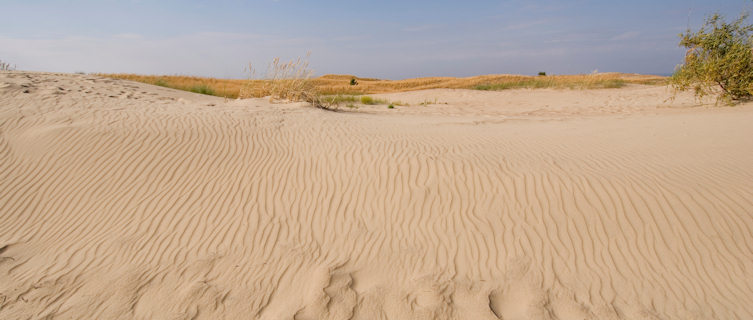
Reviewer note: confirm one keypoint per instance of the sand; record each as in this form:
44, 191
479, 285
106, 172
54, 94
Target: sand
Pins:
120, 200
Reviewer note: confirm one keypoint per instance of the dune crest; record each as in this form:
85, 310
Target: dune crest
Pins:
121, 200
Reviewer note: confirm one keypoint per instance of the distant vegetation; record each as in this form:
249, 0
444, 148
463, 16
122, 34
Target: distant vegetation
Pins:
4, 66
339, 88
339, 84
292, 81
572, 82
719, 60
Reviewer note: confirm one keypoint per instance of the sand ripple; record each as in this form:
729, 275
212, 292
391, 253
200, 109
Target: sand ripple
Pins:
122, 200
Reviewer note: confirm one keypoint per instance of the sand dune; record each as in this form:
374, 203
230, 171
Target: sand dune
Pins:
121, 200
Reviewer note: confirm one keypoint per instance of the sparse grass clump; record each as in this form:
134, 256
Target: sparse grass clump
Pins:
367, 100
202, 89
371, 100
719, 60
353, 99
339, 98
427, 102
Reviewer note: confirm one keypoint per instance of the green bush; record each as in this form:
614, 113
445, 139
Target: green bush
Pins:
718, 61
542, 73
353, 81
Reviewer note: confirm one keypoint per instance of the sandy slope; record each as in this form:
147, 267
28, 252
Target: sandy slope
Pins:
121, 200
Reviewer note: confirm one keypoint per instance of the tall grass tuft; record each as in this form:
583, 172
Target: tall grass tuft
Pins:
288, 81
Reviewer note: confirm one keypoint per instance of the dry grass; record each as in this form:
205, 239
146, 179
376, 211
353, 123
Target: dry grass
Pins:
340, 84
284, 80
290, 81
220, 87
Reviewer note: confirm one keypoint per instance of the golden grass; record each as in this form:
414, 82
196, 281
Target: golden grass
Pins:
290, 84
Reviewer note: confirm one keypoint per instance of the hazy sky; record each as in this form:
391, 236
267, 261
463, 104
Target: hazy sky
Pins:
385, 39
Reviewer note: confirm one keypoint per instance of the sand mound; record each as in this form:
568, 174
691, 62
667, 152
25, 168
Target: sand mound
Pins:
123, 200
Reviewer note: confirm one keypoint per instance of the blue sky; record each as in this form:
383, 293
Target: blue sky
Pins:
384, 39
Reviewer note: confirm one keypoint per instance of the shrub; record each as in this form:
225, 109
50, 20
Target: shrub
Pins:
391, 106
542, 73
353, 81
718, 60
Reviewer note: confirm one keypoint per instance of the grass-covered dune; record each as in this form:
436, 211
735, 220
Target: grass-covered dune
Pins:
341, 84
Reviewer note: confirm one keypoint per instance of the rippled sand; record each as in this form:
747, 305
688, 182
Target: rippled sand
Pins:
120, 200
